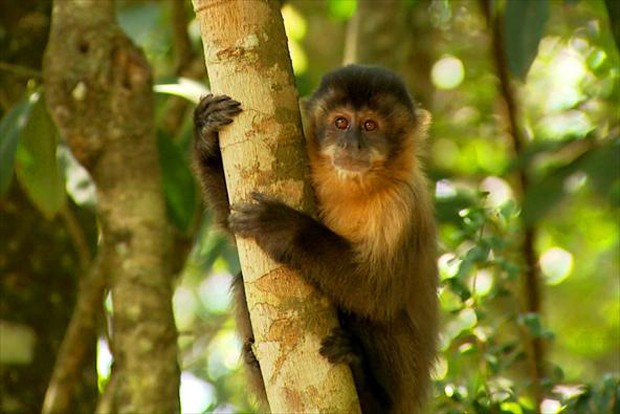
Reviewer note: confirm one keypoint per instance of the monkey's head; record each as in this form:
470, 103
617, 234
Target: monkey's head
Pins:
361, 119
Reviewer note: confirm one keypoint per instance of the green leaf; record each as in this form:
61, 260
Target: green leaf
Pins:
602, 165
532, 322
542, 196
524, 27
11, 127
36, 163
178, 182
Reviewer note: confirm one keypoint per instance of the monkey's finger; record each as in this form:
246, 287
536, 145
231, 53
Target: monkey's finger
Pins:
219, 118
224, 100
205, 99
210, 103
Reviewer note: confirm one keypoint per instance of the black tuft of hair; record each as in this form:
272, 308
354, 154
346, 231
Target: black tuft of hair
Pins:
361, 85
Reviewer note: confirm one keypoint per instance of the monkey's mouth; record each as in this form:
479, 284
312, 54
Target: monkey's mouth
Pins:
350, 164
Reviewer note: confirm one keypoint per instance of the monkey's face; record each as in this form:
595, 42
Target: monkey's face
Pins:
361, 121
359, 140
353, 140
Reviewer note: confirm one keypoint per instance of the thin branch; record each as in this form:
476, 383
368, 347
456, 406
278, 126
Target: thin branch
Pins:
20, 70
107, 401
531, 287
77, 237
188, 65
182, 43
80, 336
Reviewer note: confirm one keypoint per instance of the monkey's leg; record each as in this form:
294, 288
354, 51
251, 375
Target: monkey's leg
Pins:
342, 346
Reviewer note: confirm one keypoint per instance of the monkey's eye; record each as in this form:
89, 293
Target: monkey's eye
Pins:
341, 123
370, 125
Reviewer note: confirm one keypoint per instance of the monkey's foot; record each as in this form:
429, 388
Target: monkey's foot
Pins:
339, 347
248, 354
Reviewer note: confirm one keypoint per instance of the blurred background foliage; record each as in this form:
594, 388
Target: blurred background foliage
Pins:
561, 182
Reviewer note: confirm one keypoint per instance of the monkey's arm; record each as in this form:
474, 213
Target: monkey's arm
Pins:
324, 258
211, 114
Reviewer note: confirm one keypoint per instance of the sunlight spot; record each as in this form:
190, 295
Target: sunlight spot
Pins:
481, 283
556, 265
498, 189
214, 292
570, 391
104, 362
566, 73
223, 354
448, 72
449, 265
569, 123
550, 406
184, 305
196, 395
444, 189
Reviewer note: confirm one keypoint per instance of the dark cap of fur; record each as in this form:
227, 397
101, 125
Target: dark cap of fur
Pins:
361, 86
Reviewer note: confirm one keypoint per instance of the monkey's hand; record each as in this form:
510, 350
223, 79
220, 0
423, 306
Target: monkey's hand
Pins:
275, 226
211, 114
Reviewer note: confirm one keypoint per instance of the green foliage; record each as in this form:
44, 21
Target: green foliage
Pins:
524, 27
29, 147
341, 9
568, 106
178, 182
11, 126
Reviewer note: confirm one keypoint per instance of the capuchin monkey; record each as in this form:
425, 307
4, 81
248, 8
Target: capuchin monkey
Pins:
372, 251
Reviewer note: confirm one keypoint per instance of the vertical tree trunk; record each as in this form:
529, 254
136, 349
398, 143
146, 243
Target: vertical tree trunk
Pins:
99, 91
532, 295
398, 36
247, 58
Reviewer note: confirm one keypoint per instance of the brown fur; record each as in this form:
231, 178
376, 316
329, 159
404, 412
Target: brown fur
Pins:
373, 250
387, 214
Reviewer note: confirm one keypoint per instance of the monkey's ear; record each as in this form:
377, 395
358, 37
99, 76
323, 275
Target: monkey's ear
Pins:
424, 119
304, 103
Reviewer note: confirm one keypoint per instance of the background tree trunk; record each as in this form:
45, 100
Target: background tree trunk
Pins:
247, 58
40, 261
397, 35
104, 107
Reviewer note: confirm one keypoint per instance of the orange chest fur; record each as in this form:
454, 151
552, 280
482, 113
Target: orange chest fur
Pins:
374, 223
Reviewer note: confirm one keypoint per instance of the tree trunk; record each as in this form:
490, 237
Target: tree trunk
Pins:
99, 91
398, 36
247, 58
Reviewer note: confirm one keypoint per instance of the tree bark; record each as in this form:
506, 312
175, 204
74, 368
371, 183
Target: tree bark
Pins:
247, 58
99, 91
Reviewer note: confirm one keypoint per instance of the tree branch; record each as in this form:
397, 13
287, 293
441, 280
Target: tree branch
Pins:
531, 283
80, 336
104, 106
